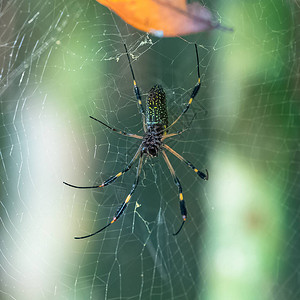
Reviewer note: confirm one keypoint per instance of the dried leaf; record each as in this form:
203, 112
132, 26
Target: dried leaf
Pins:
163, 17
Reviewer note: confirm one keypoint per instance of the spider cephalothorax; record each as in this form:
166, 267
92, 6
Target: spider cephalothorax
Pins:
152, 140
155, 124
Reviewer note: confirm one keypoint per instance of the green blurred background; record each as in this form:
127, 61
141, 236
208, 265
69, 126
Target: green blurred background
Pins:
62, 61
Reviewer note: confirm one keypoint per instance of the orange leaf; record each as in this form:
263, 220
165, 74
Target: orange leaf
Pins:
163, 17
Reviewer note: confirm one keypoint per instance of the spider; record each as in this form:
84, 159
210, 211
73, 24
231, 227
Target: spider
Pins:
156, 126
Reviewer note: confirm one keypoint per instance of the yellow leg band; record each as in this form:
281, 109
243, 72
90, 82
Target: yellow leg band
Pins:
128, 198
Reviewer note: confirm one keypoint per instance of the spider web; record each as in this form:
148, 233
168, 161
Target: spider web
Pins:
62, 61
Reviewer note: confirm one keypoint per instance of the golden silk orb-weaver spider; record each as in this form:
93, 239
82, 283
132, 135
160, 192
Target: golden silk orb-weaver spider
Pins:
156, 126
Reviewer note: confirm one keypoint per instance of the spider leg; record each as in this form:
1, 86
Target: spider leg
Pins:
178, 132
194, 92
199, 173
123, 205
177, 182
117, 130
136, 90
173, 134
110, 179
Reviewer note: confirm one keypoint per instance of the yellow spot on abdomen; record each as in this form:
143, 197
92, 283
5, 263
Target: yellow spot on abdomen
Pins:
180, 196
196, 170
119, 174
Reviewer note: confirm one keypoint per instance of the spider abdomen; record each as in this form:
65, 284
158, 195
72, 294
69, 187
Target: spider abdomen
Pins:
156, 107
